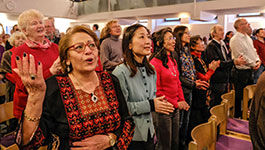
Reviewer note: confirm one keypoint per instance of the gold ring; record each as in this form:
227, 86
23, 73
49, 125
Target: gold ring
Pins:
32, 76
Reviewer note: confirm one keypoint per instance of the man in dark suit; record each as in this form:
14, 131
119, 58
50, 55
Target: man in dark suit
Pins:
217, 50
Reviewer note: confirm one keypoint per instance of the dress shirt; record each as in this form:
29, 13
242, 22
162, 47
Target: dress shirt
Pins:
242, 44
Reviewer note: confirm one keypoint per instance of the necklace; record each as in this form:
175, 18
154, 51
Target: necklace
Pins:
94, 98
174, 72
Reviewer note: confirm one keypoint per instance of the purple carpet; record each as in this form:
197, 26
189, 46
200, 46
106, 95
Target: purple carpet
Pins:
8, 140
230, 143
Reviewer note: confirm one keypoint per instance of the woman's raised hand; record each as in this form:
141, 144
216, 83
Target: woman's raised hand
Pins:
214, 65
31, 75
56, 67
163, 106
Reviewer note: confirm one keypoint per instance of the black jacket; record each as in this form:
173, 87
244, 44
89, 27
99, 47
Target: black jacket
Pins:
222, 73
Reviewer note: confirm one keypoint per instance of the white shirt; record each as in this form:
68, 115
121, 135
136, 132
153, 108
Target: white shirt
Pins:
242, 44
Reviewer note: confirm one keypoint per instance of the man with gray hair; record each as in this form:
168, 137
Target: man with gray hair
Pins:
242, 45
217, 50
50, 30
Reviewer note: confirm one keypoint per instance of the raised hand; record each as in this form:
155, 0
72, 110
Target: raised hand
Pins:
214, 65
56, 67
31, 75
163, 106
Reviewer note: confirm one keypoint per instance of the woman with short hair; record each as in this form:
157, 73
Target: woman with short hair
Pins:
79, 109
31, 24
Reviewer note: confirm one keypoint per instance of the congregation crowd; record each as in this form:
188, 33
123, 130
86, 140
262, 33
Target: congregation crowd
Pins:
92, 89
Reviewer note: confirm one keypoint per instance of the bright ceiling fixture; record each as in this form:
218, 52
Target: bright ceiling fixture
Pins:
250, 15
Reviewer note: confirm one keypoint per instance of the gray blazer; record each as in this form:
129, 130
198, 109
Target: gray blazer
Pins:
138, 90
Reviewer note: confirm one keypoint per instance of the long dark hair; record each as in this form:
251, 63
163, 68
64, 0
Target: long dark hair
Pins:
159, 49
129, 60
226, 36
178, 33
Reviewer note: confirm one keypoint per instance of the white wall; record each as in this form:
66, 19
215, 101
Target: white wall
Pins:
9, 21
55, 8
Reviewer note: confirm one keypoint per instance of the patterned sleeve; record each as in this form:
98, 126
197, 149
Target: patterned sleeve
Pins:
125, 132
36, 140
42, 135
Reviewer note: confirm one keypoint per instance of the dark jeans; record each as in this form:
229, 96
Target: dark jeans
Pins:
184, 122
242, 79
217, 90
141, 145
168, 131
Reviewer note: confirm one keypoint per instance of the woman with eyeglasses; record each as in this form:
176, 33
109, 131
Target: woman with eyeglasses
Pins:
138, 83
187, 77
199, 109
168, 85
79, 109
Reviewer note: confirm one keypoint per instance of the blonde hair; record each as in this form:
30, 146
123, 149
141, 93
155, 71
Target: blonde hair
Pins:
105, 32
15, 36
26, 16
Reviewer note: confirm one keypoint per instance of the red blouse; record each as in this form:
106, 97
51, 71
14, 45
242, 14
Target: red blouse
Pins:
167, 82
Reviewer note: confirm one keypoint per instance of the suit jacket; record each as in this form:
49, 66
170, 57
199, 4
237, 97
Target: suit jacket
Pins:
214, 52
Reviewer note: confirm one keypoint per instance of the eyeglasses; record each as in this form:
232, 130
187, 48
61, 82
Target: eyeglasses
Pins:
171, 38
188, 33
80, 47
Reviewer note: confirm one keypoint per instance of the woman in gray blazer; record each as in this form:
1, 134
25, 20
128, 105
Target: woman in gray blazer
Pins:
138, 83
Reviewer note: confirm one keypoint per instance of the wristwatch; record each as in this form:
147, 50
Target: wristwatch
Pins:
112, 140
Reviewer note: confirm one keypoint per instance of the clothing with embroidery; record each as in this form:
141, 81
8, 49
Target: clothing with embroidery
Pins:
64, 114
187, 70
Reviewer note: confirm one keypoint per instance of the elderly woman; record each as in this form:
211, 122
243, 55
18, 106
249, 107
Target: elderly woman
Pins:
111, 51
80, 109
45, 52
16, 39
199, 109
138, 83
168, 85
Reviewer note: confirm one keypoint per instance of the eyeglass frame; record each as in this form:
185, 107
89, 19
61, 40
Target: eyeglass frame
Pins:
86, 45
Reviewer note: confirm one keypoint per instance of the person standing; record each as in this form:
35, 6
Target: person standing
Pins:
111, 51
217, 50
168, 85
138, 84
50, 31
259, 44
96, 30
187, 76
199, 109
31, 24
242, 45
